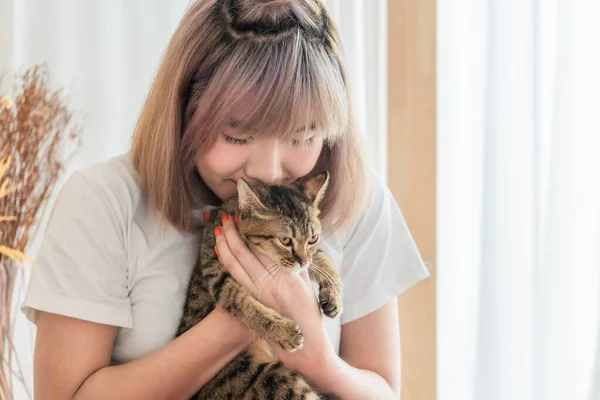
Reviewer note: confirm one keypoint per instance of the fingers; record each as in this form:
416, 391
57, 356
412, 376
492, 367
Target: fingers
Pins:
230, 263
265, 261
304, 275
253, 266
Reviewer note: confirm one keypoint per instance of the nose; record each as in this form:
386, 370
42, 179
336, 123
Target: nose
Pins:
301, 257
265, 163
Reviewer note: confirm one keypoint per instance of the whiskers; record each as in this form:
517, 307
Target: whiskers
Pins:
271, 270
323, 274
275, 273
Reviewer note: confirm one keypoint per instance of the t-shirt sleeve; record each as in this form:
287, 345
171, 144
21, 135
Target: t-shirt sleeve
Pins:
380, 258
81, 268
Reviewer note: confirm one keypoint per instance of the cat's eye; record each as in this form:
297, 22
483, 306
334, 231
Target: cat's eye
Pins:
286, 241
314, 239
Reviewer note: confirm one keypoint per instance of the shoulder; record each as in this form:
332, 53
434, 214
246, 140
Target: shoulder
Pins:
114, 176
110, 184
378, 208
103, 197
82, 267
379, 195
379, 258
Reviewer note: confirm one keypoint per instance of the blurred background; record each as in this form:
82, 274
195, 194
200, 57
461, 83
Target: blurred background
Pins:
483, 115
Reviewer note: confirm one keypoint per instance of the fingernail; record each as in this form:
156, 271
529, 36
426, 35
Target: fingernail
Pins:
236, 218
224, 218
217, 251
206, 215
218, 231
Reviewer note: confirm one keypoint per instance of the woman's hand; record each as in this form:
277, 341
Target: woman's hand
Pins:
288, 293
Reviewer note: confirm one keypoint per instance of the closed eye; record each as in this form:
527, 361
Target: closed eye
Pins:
235, 141
303, 144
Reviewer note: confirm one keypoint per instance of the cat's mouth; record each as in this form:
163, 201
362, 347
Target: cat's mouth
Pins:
297, 270
294, 266
301, 268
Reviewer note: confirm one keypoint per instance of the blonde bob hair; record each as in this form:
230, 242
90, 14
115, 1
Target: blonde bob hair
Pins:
287, 55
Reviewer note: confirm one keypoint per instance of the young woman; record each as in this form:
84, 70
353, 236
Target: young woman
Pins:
246, 89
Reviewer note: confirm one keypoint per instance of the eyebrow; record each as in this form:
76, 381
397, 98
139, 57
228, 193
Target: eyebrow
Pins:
235, 124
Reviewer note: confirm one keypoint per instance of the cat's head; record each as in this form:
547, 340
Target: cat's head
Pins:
282, 221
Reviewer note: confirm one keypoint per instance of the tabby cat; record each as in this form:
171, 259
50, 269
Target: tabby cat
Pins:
282, 222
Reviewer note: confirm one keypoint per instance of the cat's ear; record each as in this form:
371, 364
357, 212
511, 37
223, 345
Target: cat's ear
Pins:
247, 198
315, 187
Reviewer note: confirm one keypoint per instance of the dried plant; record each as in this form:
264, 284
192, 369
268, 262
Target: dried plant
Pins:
37, 137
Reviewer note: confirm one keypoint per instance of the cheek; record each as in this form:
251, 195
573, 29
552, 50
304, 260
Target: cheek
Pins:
299, 162
278, 251
222, 160
272, 250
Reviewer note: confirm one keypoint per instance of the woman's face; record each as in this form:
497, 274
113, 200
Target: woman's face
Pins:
256, 157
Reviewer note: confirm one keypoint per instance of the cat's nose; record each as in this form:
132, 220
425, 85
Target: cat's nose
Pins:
301, 260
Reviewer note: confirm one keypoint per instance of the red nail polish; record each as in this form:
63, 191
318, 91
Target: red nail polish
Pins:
236, 218
206, 215
217, 251
218, 231
224, 218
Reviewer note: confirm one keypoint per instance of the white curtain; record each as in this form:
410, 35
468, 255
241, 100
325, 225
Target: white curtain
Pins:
104, 53
518, 200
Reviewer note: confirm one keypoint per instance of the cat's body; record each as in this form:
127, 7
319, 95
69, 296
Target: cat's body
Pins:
282, 222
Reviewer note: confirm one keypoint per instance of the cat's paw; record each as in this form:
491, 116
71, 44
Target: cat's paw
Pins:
331, 303
288, 336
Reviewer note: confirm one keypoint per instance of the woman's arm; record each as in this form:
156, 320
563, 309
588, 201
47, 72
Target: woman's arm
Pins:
369, 363
368, 366
72, 360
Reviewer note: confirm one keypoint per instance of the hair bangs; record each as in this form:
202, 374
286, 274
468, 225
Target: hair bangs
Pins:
283, 89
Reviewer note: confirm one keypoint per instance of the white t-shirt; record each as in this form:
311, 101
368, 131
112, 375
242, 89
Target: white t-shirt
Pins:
105, 259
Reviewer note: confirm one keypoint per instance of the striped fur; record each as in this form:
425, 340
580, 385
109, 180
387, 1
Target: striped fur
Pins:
267, 215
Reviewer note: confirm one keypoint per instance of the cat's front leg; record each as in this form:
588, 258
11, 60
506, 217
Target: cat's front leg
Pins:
238, 302
324, 272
